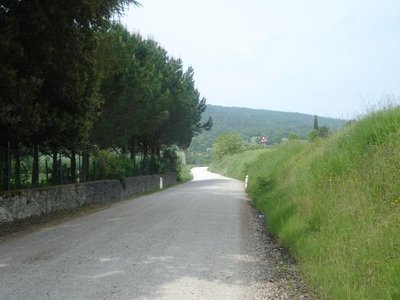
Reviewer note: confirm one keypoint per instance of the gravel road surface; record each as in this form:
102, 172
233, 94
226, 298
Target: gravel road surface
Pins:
200, 240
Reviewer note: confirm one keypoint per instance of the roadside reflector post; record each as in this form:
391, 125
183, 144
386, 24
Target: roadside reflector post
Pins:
161, 183
246, 181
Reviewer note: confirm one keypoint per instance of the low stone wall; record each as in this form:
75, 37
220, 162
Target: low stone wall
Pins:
22, 204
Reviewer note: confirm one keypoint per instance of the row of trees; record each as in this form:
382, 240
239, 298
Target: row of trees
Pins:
72, 82
150, 100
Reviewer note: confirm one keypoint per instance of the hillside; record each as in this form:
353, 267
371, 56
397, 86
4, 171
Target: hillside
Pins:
251, 123
335, 204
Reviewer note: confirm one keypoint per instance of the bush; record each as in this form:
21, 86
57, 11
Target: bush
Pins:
107, 165
227, 144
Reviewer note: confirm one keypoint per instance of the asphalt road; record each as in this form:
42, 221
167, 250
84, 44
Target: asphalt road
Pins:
187, 242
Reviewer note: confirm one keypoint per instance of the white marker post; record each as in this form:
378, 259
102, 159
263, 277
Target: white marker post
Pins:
161, 183
246, 181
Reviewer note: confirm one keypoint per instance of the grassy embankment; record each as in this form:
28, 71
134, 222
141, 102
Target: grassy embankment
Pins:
335, 204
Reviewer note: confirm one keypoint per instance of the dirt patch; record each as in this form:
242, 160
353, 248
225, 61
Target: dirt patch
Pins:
11, 230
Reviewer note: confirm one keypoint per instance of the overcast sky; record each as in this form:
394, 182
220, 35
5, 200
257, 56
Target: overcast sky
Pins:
333, 58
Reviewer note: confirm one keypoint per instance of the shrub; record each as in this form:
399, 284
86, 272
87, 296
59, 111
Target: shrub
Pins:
228, 144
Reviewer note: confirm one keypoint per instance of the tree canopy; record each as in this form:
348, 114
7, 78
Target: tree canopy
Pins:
72, 81
149, 99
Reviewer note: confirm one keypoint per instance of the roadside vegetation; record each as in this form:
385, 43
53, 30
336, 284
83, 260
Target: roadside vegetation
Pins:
335, 204
184, 174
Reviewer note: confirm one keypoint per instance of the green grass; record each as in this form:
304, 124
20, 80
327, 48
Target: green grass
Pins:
335, 205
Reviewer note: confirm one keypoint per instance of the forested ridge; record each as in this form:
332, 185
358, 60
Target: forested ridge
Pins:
251, 124
75, 85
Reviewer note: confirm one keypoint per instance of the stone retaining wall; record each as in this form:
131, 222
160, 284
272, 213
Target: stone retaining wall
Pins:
21, 204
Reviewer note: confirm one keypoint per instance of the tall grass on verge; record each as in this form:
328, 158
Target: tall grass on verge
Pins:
335, 204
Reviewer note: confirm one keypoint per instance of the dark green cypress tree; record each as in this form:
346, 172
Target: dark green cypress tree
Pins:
316, 122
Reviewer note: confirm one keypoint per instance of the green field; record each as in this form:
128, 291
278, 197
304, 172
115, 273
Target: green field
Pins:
335, 204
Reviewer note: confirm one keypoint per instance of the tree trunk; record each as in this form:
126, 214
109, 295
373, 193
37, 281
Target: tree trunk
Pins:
60, 176
35, 167
153, 150
9, 165
54, 171
17, 166
124, 150
85, 166
145, 160
3, 167
133, 155
47, 170
145, 151
158, 150
73, 166
82, 175
133, 151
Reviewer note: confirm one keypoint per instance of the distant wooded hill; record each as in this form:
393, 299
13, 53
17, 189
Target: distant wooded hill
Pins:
251, 124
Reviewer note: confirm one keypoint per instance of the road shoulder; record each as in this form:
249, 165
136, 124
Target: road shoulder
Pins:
273, 275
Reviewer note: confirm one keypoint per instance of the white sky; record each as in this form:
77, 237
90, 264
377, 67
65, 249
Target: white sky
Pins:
330, 58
